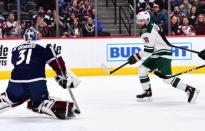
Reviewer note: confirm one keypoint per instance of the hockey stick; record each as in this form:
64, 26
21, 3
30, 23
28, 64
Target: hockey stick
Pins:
106, 69
169, 44
160, 75
77, 110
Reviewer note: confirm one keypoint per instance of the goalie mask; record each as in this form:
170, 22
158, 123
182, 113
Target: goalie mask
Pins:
31, 34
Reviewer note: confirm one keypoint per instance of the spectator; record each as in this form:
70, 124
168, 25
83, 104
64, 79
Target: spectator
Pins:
41, 26
64, 10
2, 20
49, 14
85, 10
56, 20
75, 30
70, 20
201, 6
163, 4
193, 15
23, 27
174, 25
186, 28
185, 7
193, 2
89, 28
159, 18
175, 3
178, 14
99, 25
146, 4
74, 8
11, 27
200, 25
41, 13
47, 4
62, 3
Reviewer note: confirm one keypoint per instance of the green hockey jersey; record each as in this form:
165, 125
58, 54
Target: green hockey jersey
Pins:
154, 45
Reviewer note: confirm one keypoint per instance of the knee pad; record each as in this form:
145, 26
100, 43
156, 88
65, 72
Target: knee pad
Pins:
143, 71
56, 109
5, 103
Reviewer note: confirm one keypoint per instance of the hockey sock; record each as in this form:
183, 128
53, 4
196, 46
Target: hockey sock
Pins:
178, 83
145, 82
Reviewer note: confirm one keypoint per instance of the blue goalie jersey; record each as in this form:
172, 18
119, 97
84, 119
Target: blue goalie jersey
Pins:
29, 62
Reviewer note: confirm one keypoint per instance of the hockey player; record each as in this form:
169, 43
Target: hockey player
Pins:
28, 82
157, 55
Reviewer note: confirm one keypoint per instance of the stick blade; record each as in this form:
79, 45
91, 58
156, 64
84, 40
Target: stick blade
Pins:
105, 68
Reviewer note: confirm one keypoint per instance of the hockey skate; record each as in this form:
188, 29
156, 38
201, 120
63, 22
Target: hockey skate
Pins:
192, 94
146, 96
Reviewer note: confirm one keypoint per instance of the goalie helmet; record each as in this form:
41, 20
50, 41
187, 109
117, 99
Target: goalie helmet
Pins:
143, 15
31, 34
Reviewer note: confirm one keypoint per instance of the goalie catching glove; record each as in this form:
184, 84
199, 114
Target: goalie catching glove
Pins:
68, 81
202, 54
134, 59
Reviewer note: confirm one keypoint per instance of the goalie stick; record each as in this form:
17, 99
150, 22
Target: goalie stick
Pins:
106, 69
160, 75
77, 110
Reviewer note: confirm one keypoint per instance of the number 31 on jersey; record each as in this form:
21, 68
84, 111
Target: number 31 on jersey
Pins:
24, 55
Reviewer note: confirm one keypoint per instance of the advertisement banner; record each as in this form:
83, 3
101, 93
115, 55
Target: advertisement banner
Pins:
85, 55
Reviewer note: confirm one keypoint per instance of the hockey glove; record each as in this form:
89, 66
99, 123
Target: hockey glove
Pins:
134, 59
202, 54
62, 81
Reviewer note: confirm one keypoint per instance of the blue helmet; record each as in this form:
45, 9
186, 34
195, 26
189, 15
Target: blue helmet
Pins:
31, 34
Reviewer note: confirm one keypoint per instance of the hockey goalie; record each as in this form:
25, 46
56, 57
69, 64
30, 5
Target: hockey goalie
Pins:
28, 82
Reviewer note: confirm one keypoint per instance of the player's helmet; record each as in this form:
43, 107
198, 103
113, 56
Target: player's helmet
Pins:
143, 15
31, 34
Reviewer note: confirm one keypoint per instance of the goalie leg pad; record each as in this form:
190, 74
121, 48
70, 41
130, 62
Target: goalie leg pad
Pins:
56, 109
5, 103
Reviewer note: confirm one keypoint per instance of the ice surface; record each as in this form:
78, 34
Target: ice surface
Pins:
109, 104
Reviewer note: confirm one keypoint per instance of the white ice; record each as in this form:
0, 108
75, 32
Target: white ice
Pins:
109, 104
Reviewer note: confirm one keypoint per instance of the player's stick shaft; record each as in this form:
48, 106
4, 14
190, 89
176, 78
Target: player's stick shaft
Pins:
70, 91
169, 44
193, 51
106, 69
113, 71
184, 72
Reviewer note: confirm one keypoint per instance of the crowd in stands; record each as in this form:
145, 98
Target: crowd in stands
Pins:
76, 18
187, 17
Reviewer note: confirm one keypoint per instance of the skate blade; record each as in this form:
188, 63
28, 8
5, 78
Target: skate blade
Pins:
147, 99
196, 94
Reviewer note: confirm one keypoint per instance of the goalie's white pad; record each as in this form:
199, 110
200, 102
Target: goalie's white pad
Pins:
45, 107
5, 103
53, 108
